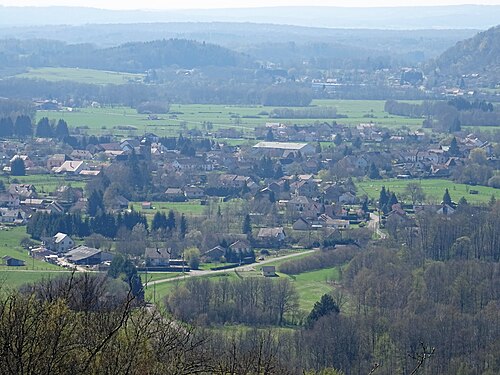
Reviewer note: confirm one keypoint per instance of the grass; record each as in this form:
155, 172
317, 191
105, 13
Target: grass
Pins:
9, 245
312, 285
16, 278
433, 188
89, 76
244, 118
44, 183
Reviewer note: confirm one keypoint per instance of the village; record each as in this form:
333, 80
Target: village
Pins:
292, 187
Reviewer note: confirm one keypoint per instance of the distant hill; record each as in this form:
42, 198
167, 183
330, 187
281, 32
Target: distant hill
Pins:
428, 17
129, 57
477, 58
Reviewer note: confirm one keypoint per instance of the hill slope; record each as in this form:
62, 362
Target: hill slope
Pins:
475, 58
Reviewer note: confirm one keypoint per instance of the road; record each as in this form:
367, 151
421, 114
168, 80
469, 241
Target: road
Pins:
374, 225
246, 267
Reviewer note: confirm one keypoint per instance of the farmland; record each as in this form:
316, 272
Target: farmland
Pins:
88, 76
433, 188
189, 116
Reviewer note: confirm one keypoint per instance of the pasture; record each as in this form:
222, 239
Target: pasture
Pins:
434, 190
88, 76
182, 117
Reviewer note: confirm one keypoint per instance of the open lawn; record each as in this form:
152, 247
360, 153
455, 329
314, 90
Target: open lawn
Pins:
245, 118
89, 76
433, 188
13, 279
45, 183
9, 245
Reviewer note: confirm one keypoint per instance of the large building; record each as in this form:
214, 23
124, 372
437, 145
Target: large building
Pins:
279, 148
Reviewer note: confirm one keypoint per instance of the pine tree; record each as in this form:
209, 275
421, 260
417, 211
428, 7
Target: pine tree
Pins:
325, 306
6, 127
247, 225
337, 140
374, 173
447, 198
454, 150
61, 130
383, 198
43, 128
183, 227
17, 167
23, 126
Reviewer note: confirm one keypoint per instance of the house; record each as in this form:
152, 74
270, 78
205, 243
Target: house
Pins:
60, 243
23, 190
193, 192
12, 262
301, 224
272, 236
70, 167
83, 255
348, 198
119, 202
174, 194
9, 200
446, 210
268, 271
241, 246
81, 155
146, 206
214, 254
56, 160
157, 257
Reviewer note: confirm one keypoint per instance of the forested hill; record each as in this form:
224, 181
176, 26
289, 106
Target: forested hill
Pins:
129, 57
479, 55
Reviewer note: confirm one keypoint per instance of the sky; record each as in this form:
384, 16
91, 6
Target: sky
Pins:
199, 4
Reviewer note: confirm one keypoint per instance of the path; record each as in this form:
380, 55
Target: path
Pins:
246, 267
374, 225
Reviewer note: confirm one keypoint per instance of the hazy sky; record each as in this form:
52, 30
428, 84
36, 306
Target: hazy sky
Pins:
187, 4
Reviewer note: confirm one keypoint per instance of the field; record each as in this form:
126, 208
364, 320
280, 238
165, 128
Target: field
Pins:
45, 184
189, 116
16, 278
89, 76
433, 188
9, 245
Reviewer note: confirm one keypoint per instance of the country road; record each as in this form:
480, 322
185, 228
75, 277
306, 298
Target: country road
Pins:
246, 267
374, 225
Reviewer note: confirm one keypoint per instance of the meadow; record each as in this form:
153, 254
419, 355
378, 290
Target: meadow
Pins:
44, 183
433, 188
182, 117
88, 76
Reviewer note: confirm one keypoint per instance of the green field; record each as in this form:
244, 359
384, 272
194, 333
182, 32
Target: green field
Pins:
244, 118
433, 188
9, 245
44, 183
13, 279
89, 76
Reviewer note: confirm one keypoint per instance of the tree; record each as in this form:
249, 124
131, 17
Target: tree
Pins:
383, 198
192, 256
415, 192
247, 225
337, 140
183, 227
454, 150
374, 173
6, 127
357, 143
61, 130
43, 128
23, 126
17, 168
270, 135
325, 306
447, 198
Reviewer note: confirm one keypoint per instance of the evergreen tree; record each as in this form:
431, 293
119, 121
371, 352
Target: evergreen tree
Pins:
357, 143
337, 140
383, 198
325, 306
6, 127
374, 173
454, 150
447, 198
61, 130
269, 135
392, 200
171, 220
247, 225
17, 168
23, 127
43, 128
183, 227
95, 203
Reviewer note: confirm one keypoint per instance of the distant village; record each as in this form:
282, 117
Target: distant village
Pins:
293, 181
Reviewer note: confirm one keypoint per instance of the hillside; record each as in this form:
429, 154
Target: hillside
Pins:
129, 57
475, 59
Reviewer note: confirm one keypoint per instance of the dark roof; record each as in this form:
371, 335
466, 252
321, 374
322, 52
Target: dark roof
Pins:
81, 253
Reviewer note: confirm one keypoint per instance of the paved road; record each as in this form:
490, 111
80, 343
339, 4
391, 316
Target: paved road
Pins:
246, 267
374, 225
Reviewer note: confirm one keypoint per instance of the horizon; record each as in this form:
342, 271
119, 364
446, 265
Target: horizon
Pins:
155, 5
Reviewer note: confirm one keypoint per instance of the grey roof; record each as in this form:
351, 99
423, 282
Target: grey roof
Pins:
81, 253
281, 145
